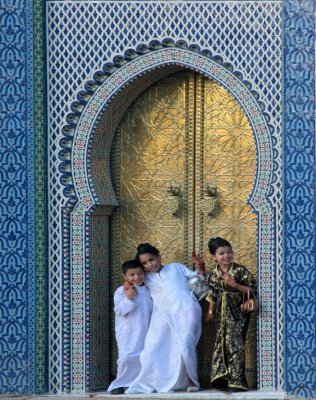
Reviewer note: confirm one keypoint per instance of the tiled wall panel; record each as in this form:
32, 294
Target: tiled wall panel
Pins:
82, 36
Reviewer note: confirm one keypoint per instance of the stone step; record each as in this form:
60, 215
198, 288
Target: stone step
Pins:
203, 394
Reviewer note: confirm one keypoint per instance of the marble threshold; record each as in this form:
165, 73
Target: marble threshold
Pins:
203, 394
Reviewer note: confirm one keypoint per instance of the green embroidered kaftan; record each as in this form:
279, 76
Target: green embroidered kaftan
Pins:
231, 327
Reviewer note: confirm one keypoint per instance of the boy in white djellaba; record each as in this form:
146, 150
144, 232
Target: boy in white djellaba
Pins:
168, 361
133, 308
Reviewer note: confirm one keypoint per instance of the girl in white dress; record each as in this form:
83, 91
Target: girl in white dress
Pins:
168, 361
132, 307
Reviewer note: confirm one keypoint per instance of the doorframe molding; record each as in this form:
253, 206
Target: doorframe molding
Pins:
80, 169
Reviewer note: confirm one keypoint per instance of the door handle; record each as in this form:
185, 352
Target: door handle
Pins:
172, 202
210, 201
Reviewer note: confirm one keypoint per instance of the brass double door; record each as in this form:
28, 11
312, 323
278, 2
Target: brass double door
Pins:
184, 165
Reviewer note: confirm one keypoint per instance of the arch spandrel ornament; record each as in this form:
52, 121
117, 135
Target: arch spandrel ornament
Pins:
121, 74
81, 138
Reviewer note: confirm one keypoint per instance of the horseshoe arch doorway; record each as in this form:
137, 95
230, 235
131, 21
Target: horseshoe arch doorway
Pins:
183, 163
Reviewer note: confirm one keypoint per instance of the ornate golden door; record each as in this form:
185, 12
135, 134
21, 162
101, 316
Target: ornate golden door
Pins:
185, 163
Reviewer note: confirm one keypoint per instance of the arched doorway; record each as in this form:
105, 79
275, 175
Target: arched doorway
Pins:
183, 164
92, 130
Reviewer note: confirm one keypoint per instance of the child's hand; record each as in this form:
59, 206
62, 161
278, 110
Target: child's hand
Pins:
208, 317
198, 260
127, 285
229, 280
130, 292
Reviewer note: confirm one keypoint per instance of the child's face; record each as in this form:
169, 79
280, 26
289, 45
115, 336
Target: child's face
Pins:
150, 262
223, 256
135, 276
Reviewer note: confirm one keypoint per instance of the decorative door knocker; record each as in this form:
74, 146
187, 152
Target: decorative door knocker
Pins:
210, 201
173, 199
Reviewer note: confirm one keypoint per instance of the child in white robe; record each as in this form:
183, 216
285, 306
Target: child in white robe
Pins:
132, 307
169, 360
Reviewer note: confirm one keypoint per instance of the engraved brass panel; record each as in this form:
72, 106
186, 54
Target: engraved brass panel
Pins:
155, 146
228, 160
189, 130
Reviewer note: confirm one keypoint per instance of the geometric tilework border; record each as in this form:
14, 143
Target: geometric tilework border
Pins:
16, 194
259, 199
23, 331
300, 222
40, 187
30, 238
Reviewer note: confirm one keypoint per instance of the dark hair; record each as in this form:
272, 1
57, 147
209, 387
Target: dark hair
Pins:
217, 242
131, 264
145, 248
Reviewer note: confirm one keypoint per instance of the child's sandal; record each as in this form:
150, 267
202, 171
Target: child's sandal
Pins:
193, 389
